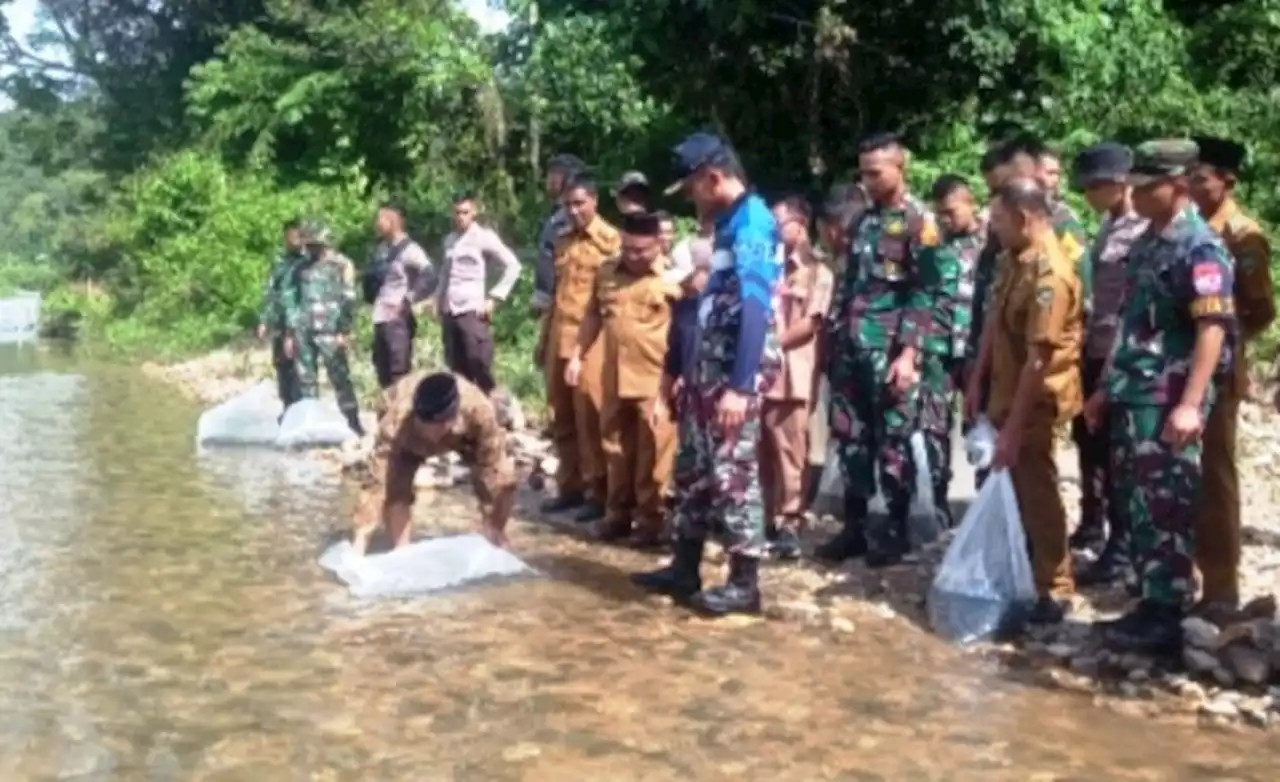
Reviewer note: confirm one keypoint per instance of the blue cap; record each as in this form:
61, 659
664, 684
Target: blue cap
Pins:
695, 152
1105, 162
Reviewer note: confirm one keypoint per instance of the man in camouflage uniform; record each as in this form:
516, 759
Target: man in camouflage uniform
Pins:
319, 309
1218, 523
878, 321
271, 318
737, 358
946, 348
560, 169
1177, 330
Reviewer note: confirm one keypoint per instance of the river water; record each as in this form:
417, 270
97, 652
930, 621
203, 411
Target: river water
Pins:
163, 618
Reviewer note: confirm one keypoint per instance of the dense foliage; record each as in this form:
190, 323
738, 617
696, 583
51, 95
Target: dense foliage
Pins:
153, 148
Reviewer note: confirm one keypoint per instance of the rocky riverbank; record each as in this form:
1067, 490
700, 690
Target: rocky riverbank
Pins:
1228, 674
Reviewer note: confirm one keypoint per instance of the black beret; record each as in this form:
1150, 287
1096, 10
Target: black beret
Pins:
435, 400
1221, 153
642, 224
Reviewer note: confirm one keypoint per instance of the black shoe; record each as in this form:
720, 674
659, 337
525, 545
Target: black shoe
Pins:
1150, 628
889, 546
591, 512
943, 506
679, 579
1111, 567
851, 541
562, 503
1089, 536
353, 420
771, 530
1048, 611
787, 545
739, 595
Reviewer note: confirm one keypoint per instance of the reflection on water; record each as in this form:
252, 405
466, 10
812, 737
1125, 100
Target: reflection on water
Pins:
162, 618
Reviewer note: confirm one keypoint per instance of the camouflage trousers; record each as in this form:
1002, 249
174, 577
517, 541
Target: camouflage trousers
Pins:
872, 425
286, 373
1159, 488
317, 349
937, 417
716, 482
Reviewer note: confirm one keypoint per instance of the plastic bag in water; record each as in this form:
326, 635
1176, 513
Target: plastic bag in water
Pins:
421, 567
312, 423
248, 418
984, 583
980, 443
20, 317
922, 518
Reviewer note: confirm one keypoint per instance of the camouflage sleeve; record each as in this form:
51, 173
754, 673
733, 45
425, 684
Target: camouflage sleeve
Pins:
1210, 276
544, 271
269, 311
1255, 291
916, 299
347, 305
492, 471
984, 271
291, 298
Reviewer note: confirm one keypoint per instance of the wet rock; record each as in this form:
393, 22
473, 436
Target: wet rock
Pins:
1199, 633
1086, 665
1247, 664
1222, 676
1198, 660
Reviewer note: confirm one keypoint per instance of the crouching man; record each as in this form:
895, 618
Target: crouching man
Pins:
430, 415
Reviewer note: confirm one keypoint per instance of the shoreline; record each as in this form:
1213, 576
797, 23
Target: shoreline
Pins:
1228, 675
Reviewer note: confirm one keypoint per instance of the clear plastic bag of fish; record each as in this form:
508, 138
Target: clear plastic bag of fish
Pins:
20, 317
984, 585
980, 443
423, 567
923, 522
830, 497
313, 423
248, 418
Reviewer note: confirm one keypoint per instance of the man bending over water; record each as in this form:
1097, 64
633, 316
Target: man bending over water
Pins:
430, 415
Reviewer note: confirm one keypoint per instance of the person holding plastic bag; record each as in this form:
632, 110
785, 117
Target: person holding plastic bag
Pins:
1030, 352
430, 415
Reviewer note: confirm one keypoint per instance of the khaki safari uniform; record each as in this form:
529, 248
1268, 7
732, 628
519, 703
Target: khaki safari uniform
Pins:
784, 446
575, 412
1039, 301
1217, 530
400, 449
634, 313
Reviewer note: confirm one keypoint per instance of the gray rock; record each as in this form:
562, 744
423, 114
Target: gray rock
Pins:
1085, 665
1247, 664
1061, 651
1223, 677
1198, 660
1200, 633
1138, 675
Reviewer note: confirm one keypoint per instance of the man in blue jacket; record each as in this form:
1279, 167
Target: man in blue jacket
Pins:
717, 490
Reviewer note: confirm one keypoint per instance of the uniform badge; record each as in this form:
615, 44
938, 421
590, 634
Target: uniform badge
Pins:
892, 269
894, 227
1044, 296
1207, 279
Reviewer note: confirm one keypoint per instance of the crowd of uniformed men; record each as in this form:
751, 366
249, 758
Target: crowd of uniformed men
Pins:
695, 385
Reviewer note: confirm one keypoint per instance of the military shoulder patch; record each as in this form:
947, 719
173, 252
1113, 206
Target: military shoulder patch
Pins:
929, 234
1044, 296
1206, 278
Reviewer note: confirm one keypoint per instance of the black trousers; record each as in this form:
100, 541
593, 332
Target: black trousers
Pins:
468, 348
393, 349
1094, 449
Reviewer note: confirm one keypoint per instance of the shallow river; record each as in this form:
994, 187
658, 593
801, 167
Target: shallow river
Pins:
163, 618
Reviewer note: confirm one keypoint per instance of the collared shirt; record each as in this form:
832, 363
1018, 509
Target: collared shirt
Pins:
806, 295
579, 256
1254, 291
403, 279
1038, 301
1107, 259
466, 270
635, 320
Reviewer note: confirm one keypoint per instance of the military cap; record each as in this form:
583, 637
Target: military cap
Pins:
632, 180
642, 224
316, 232
1221, 153
435, 400
696, 152
1105, 162
1162, 158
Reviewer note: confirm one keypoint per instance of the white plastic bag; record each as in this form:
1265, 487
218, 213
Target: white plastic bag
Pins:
248, 418
20, 317
984, 583
829, 500
422, 567
312, 423
923, 523
980, 443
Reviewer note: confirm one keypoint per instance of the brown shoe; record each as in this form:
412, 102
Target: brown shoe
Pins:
609, 530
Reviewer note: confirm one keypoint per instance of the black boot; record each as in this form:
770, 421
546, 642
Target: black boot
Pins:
353, 420
1089, 536
889, 545
1048, 611
1111, 567
739, 595
591, 512
851, 541
943, 504
680, 578
786, 544
562, 503
1150, 628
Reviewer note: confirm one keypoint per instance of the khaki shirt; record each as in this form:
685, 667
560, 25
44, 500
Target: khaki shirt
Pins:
806, 294
1039, 300
635, 318
400, 449
1254, 291
579, 256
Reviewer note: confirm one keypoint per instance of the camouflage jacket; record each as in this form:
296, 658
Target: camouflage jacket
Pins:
1172, 280
400, 448
884, 298
953, 296
271, 313
321, 296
